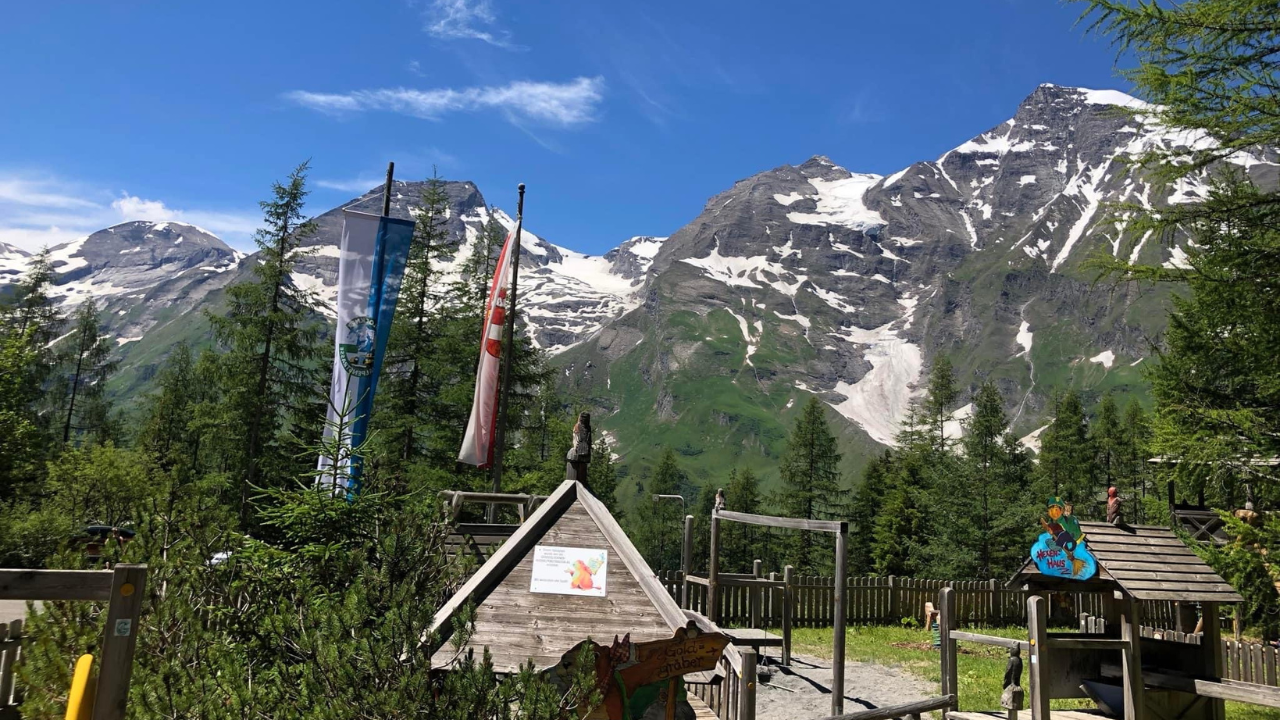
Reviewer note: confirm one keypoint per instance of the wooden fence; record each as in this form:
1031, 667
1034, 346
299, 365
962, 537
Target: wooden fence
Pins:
10, 646
888, 600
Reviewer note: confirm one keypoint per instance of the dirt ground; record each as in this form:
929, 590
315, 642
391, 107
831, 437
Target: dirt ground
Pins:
804, 690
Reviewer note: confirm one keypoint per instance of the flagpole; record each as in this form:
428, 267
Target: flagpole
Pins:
386, 190
509, 352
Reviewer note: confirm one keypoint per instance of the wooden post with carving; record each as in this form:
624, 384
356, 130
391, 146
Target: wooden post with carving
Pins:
579, 456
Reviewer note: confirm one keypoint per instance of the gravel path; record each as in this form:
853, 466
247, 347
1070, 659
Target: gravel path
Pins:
804, 689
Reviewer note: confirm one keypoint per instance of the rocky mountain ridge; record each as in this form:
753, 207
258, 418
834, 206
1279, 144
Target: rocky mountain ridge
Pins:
806, 279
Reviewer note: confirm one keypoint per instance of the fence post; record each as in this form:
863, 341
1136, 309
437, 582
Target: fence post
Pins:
686, 560
1131, 659
788, 608
1037, 629
1211, 655
947, 623
841, 590
114, 671
895, 608
772, 614
747, 687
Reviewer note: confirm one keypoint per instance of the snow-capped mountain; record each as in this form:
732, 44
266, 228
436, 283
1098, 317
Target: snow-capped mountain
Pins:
812, 279
801, 280
13, 261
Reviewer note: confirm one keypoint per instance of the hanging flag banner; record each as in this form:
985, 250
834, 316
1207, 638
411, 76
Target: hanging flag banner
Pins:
477, 443
371, 261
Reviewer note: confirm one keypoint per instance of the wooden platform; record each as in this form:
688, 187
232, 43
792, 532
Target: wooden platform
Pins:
1026, 715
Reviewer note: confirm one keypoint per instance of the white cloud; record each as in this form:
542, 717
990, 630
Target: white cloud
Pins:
562, 104
44, 211
352, 185
464, 20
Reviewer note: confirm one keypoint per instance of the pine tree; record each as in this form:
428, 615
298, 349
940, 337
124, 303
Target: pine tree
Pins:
31, 311
984, 533
865, 511
1135, 451
409, 384
939, 397
167, 433
273, 354
742, 494
602, 477
1067, 463
1106, 434
86, 364
810, 470
657, 523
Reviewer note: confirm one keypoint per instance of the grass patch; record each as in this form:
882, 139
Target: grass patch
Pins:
980, 668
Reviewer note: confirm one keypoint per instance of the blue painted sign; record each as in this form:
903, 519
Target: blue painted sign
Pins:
1061, 550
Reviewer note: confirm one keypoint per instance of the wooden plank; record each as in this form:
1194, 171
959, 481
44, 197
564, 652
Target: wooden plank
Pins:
1186, 587
946, 625
1215, 597
830, 526
911, 709
115, 667
1037, 618
1131, 660
1224, 690
55, 584
990, 640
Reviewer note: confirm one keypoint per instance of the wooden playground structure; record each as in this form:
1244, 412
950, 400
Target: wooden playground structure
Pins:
1109, 660
122, 588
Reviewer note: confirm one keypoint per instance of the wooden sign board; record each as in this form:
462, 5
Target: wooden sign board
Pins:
632, 676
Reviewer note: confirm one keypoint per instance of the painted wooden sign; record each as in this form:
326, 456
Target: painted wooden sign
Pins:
570, 571
631, 677
1061, 550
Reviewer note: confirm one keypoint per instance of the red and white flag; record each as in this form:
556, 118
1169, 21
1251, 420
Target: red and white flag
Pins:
477, 444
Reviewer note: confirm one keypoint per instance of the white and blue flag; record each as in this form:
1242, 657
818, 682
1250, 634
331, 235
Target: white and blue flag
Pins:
371, 263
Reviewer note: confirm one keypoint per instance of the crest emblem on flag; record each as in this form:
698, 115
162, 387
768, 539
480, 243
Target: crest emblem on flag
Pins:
357, 352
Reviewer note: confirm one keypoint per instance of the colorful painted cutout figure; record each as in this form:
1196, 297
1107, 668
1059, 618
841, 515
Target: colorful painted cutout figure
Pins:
1061, 550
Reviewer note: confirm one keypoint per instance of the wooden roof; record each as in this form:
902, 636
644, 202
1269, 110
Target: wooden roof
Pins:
1148, 562
517, 625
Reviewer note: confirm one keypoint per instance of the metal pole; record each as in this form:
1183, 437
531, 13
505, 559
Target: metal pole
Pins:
509, 348
386, 190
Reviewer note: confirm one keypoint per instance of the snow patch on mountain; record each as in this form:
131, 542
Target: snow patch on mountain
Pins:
1106, 359
880, 400
840, 202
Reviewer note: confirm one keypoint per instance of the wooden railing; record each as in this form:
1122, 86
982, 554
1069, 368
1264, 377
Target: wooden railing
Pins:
10, 647
888, 600
911, 710
1241, 661
730, 690
121, 589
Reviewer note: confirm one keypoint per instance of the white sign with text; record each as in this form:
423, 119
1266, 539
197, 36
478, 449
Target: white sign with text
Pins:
569, 571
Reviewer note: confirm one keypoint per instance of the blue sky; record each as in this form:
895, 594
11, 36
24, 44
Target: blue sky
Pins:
622, 118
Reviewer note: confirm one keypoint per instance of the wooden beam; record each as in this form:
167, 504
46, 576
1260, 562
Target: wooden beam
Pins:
1211, 656
912, 709
831, 526
841, 598
55, 584
747, 687
1038, 672
713, 569
788, 607
1216, 690
947, 624
989, 640
128, 588
1131, 658
1066, 643
686, 560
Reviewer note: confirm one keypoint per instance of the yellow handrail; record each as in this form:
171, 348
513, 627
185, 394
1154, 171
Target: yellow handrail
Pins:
80, 698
